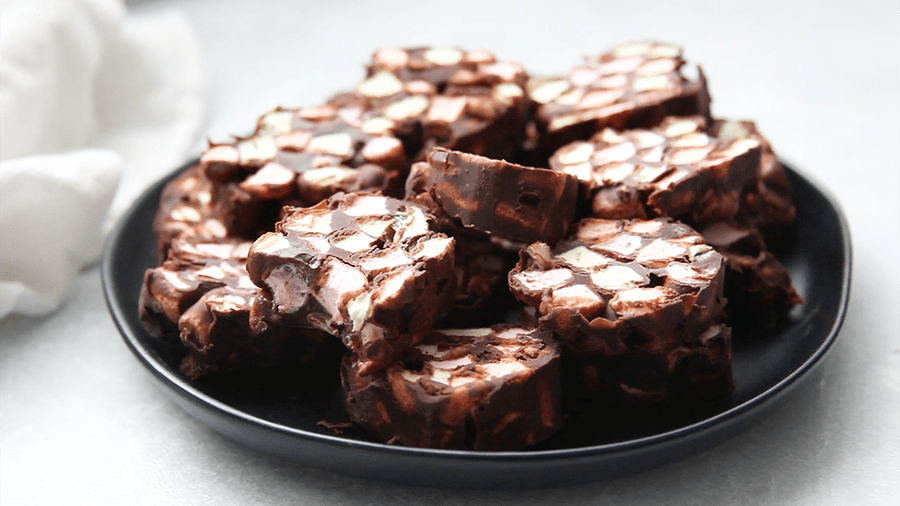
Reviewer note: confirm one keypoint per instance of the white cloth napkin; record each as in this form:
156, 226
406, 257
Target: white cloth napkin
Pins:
96, 103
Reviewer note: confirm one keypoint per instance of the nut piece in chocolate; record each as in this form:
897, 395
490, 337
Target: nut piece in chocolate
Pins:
485, 389
364, 267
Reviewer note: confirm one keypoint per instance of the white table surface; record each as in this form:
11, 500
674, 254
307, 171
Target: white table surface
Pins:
84, 423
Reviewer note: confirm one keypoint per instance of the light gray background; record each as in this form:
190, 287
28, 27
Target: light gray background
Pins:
84, 423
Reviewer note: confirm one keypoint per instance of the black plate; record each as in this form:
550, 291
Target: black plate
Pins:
279, 411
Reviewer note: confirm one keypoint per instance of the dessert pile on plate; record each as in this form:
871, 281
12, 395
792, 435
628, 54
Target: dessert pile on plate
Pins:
484, 246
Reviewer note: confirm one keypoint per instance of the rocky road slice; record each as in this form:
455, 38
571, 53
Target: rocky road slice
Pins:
444, 96
638, 304
616, 286
194, 208
488, 389
217, 334
506, 200
633, 85
364, 267
757, 285
192, 269
675, 169
201, 297
307, 154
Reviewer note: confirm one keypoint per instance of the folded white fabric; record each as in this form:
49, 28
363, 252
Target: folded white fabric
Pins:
41, 254
90, 96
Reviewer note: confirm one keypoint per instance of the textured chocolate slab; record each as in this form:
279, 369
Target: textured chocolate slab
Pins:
364, 267
632, 85
506, 200
444, 96
489, 388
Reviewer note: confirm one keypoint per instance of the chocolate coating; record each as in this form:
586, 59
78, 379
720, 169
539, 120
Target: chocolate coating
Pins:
759, 290
477, 389
481, 271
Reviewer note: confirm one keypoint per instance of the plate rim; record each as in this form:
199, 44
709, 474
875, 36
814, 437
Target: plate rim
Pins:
188, 393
